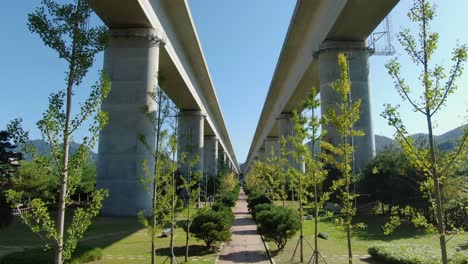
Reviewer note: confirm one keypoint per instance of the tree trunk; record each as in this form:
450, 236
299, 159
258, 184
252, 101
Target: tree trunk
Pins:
187, 233
66, 149
316, 219
155, 182
438, 196
433, 170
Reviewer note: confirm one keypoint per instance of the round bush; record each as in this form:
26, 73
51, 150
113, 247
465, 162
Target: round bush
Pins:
211, 226
278, 224
261, 207
229, 199
219, 207
255, 199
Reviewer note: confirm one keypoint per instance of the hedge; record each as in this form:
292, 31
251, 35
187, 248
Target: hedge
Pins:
407, 254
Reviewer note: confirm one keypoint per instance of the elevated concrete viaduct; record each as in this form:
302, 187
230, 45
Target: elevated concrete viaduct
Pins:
150, 37
318, 31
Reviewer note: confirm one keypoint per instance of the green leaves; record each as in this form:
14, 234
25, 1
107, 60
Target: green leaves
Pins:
211, 226
64, 28
82, 220
436, 86
37, 217
278, 224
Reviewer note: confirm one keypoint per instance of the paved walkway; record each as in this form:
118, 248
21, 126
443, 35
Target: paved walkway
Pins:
246, 245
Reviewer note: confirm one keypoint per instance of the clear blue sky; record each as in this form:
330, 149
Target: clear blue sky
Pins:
242, 40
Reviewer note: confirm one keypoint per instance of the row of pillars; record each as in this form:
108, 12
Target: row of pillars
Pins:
358, 62
205, 149
131, 61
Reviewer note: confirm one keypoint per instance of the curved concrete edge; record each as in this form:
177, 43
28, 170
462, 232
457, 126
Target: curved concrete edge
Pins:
267, 249
218, 254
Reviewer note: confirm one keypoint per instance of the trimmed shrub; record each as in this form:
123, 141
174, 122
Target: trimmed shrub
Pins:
406, 254
229, 199
40, 256
211, 226
278, 224
261, 207
219, 207
255, 199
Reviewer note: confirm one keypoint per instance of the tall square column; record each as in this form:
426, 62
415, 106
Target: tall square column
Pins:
131, 62
222, 158
190, 141
272, 147
358, 61
286, 129
210, 156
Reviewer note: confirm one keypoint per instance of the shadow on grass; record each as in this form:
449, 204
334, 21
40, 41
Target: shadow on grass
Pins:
275, 252
463, 246
194, 250
374, 231
106, 231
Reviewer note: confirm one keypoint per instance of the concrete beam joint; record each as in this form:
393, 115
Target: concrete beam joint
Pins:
155, 37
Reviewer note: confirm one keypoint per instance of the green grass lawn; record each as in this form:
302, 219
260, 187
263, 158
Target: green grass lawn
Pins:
122, 239
334, 249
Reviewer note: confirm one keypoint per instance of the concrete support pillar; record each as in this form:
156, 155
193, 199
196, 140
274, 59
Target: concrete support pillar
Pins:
222, 158
131, 62
261, 154
210, 156
272, 147
358, 59
286, 126
190, 141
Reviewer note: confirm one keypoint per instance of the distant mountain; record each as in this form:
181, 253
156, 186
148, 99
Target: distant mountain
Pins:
43, 148
446, 141
242, 166
382, 141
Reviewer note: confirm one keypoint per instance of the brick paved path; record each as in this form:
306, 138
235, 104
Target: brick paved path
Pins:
246, 245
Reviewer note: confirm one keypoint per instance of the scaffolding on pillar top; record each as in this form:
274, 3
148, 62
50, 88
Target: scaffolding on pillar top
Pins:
380, 41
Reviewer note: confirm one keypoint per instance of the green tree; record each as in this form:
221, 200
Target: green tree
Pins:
436, 86
157, 181
278, 224
190, 188
8, 168
8, 159
266, 177
311, 175
64, 28
211, 226
391, 172
340, 155
88, 180
35, 181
